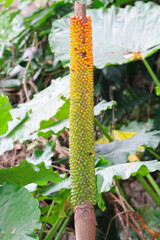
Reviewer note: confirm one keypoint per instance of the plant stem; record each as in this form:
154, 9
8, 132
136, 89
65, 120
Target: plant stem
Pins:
46, 219
54, 143
153, 153
154, 184
149, 189
155, 79
64, 225
102, 129
121, 190
54, 229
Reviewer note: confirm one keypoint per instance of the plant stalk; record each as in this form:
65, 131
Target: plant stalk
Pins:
154, 184
153, 153
149, 189
154, 77
102, 129
121, 190
54, 229
54, 143
64, 225
44, 224
85, 221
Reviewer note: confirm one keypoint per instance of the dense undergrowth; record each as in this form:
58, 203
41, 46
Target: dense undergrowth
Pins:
34, 128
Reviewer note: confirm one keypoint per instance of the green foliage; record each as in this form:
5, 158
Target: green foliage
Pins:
10, 27
118, 151
28, 116
27, 173
5, 115
123, 171
105, 175
20, 211
39, 156
135, 126
132, 27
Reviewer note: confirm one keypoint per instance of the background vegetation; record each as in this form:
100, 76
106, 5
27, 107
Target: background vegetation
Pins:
34, 147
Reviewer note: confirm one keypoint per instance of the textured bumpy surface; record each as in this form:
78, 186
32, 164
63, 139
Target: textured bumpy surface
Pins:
82, 155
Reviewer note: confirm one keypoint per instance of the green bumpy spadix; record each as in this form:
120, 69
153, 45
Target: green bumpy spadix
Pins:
81, 119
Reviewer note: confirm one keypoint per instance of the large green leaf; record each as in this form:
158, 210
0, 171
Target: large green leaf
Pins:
19, 213
5, 115
52, 190
63, 112
27, 173
23, 117
43, 106
121, 171
118, 151
117, 33
135, 126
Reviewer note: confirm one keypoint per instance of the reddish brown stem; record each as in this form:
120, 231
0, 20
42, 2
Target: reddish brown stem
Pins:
85, 221
80, 10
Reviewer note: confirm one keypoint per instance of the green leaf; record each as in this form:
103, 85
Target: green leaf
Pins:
8, 3
101, 162
62, 113
27, 173
22, 119
43, 106
118, 151
39, 156
122, 171
135, 126
59, 206
5, 115
56, 129
118, 33
53, 190
102, 106
42, 16
19, 213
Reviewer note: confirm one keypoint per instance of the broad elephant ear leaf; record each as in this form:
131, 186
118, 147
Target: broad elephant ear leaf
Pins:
121, 171
19, 213
119, 34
